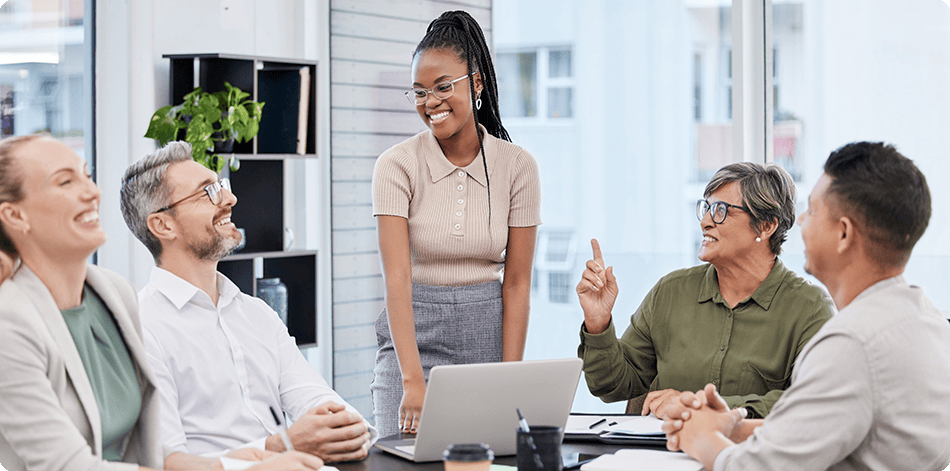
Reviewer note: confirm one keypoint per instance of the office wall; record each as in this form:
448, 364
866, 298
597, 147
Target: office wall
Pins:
371, 43
132, 80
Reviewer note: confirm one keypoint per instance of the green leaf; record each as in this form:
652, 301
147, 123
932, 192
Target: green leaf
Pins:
255, 109
199, 155
162, 125
198, 130
252, 127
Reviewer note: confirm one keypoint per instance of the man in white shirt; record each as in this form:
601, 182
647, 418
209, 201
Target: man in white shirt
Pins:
870, 389
222, 359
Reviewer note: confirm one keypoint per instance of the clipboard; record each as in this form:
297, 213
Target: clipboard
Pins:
603, 428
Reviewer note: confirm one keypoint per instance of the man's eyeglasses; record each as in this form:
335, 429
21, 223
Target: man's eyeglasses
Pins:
215, 192
718, 210
442, 91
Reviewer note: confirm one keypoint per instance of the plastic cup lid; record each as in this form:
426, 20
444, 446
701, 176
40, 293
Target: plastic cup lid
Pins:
468, 452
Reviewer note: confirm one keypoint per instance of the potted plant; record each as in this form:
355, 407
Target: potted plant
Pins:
211, 121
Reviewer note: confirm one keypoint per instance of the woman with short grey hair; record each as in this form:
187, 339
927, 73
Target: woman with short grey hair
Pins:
768, 192
738, 321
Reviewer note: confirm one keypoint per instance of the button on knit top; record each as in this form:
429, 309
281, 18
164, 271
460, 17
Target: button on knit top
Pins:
451, 241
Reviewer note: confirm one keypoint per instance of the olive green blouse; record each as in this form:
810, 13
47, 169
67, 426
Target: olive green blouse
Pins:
110, 371
684, 335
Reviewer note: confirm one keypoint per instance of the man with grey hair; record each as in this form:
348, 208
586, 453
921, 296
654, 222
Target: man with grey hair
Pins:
223, 360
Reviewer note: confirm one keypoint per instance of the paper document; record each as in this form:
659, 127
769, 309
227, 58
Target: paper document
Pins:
643, 460
644, 426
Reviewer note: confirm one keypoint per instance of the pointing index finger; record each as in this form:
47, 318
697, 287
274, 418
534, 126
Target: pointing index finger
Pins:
598, 256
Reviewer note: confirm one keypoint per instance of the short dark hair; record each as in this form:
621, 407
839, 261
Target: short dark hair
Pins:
884, 193
768, 191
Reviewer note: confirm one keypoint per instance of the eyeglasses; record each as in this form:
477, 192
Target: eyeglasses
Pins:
214, 191
442, 91
718, 210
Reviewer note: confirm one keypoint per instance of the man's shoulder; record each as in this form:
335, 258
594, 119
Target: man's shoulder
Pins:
888, 306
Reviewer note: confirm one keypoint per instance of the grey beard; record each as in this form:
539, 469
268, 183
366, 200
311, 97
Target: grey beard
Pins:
213, 251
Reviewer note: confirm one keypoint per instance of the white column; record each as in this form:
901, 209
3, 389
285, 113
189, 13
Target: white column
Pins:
125, 99
752, 80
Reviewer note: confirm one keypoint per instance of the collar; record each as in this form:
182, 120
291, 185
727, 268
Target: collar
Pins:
440, 167
181, 292
762, 296
887, 283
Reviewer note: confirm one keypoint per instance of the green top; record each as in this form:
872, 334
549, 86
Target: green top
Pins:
684, 335
110, 371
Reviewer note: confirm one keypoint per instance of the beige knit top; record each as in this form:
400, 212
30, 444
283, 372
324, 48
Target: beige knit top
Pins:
447, 206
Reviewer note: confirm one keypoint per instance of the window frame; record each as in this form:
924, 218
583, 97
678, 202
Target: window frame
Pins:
544, 83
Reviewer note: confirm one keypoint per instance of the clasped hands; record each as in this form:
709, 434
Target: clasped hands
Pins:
701, 424
328, 431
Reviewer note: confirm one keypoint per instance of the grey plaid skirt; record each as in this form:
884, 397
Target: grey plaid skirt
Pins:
454, 325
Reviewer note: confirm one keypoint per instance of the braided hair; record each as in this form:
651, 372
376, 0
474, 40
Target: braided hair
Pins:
458, 31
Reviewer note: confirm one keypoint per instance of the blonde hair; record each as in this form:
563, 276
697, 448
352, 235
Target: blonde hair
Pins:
11, 180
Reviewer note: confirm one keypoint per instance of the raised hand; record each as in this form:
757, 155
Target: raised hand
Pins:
597, 291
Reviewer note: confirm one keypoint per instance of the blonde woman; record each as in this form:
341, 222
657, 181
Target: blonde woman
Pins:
77, 391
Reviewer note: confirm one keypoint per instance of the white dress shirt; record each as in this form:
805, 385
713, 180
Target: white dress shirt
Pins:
220, 368
869, 392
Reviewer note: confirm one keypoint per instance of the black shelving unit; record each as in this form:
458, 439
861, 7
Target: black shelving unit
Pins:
259, 183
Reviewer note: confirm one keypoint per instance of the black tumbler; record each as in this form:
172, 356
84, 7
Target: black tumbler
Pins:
540, 449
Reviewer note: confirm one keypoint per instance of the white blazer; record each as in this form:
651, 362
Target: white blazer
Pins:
49, 419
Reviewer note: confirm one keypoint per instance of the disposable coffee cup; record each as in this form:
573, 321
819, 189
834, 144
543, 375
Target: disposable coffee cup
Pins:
540, 449
468, 457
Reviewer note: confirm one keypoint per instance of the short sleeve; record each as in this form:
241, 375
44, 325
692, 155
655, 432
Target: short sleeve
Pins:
525, 209
392, 183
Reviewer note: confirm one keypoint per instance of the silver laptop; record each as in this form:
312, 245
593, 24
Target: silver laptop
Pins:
476, 404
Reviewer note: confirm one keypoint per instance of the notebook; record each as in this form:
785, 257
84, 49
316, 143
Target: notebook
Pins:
637, 459
476, 404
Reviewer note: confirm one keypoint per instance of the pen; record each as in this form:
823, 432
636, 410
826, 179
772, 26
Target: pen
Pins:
522, 422
612, 424
597, 423
282, 431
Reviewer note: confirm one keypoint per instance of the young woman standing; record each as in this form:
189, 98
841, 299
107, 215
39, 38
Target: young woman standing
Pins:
457, 210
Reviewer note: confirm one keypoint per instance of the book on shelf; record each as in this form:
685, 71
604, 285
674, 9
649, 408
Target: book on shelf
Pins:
286, 94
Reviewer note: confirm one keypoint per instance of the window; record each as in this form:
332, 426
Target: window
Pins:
878, 76
623, 168
656, 122
555, 261
536, 84
45, 77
